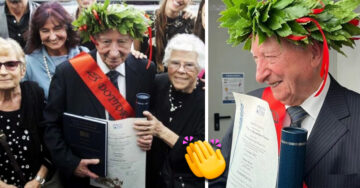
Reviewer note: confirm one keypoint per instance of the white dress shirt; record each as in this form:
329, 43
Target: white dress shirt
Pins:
312, 105
121, 79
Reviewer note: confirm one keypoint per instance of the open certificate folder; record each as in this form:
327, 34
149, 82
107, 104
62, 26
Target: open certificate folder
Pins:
254, 150
125, 162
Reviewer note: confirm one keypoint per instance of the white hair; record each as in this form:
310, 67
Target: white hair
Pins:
186, 42
9, 46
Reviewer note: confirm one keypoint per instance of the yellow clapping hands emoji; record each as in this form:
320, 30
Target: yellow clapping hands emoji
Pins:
203, 161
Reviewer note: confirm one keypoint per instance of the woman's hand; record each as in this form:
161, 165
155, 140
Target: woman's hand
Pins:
146, 129
32, 184
4, 185
138, 54
151, 126
35, 184
189, 15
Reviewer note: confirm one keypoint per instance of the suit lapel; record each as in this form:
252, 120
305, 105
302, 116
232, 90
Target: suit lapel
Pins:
328, 128
95, 102
132, 82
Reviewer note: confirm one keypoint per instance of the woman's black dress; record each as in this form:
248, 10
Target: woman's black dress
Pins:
167, 167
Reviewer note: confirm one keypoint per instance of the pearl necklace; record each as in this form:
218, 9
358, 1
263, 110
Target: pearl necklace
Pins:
47, 68
173, 107
171, 99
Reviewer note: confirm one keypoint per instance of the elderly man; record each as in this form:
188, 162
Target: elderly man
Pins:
71, 90
14, 19
289, 59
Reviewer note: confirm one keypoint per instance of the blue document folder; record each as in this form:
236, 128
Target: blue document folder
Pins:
292, 157
87, 138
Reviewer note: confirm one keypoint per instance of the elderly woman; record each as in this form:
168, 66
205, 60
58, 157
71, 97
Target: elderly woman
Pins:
52, 41
178, 113
22, 161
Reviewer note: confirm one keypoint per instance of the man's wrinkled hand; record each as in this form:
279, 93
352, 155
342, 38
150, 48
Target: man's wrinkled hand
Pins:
211, 164
144, 142
82, 169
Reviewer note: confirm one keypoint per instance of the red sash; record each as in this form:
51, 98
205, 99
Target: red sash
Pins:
279, 112
101, 86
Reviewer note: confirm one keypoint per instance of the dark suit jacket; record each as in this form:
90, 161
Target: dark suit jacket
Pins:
333, 147
68, 93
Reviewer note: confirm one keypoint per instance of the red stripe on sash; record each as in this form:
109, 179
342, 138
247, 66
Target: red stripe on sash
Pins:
279, 112
101, 86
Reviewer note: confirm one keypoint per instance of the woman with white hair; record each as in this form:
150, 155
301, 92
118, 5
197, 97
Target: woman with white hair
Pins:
178, 114
23, 160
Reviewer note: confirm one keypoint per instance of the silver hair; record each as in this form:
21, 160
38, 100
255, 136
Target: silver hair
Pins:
186, 42
9, 46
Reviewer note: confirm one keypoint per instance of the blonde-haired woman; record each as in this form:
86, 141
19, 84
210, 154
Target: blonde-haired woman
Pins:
23, 163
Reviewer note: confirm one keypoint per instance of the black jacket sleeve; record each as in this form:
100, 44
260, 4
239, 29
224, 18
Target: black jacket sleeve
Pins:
61, 153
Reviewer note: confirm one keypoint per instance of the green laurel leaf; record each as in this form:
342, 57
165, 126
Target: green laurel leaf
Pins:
282, 4
295, 12
276, 19
351, 29
284, 31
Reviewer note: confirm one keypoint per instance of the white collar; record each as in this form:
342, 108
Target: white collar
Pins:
105, 68
312, 105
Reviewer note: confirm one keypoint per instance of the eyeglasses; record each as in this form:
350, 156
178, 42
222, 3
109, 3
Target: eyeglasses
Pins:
189, 67
10, 65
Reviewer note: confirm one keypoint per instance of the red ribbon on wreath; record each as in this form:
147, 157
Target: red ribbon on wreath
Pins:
325, 62
93, 40
96, 15
149, 31
354, 22
319, 10
150, 46
83, 28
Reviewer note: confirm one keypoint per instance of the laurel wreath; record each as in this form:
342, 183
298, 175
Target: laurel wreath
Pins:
102, 17
285, 18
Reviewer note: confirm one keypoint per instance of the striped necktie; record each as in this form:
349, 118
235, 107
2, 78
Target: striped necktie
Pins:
113, 76
297, 115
